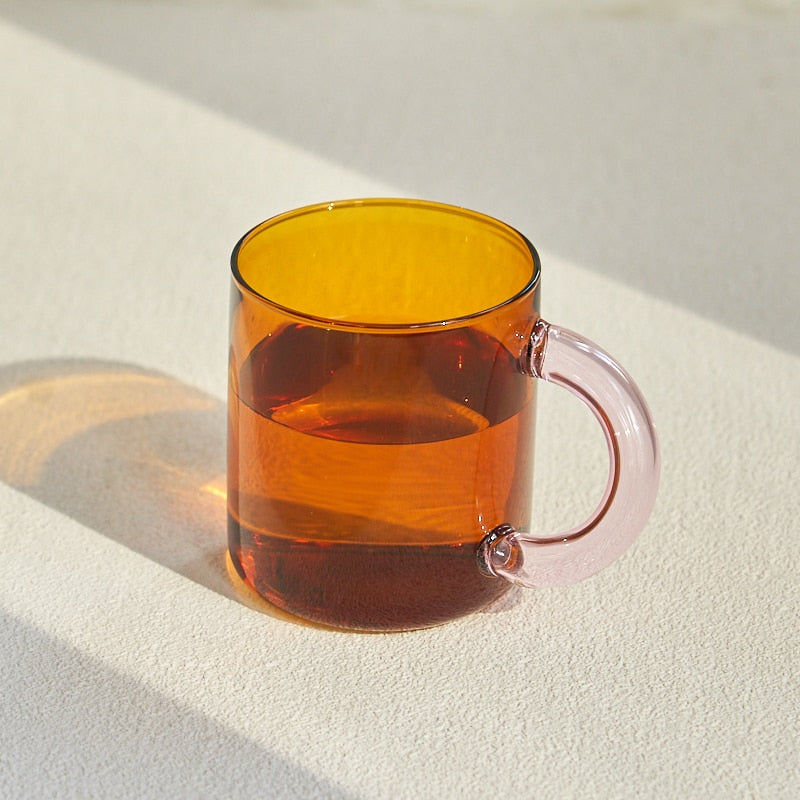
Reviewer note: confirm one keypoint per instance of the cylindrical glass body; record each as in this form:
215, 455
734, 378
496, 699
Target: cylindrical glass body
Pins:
380, 423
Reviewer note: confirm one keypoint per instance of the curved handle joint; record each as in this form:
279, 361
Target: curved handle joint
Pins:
566, 359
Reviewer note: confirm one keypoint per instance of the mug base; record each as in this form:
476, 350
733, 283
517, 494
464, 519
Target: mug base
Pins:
370, 588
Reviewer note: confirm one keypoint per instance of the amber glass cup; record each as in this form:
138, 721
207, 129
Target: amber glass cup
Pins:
381, 417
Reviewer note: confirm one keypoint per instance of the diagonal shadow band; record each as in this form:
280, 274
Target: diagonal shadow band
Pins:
131, 453
73, 727
672, 157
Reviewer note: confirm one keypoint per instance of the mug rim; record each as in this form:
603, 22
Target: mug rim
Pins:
317, 320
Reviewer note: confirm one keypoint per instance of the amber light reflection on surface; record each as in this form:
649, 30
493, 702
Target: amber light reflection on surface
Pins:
38, 416
133, 454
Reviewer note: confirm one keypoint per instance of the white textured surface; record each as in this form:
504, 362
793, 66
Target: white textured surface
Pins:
128, 665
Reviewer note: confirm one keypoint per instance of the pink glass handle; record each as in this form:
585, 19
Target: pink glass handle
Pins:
564, 358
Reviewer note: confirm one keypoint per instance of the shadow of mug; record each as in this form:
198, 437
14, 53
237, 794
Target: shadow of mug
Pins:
133, 454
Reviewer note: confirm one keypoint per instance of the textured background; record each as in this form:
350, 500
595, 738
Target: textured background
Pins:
649, 151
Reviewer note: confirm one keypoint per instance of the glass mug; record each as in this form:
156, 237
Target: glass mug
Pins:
381, 417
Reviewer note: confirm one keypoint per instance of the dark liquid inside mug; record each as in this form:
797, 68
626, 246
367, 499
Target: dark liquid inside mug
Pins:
381, 412
372, 515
